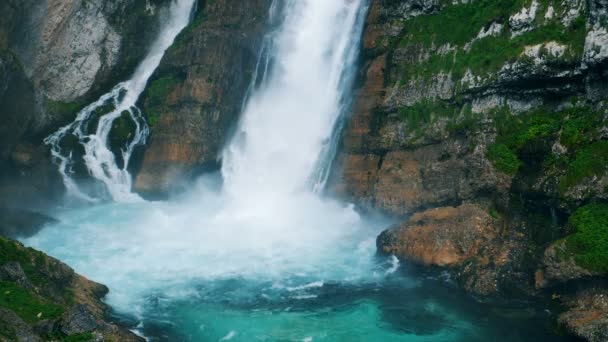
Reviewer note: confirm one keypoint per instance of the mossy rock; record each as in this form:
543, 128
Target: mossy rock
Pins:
589, 242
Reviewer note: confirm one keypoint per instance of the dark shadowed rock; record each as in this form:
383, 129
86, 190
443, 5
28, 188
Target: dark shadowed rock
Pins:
587, 314
17, 223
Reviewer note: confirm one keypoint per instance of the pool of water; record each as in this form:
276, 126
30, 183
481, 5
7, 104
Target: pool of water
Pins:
205, 271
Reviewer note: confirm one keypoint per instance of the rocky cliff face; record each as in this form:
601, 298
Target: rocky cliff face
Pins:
484, 125
42, 299
55, 56
198, 90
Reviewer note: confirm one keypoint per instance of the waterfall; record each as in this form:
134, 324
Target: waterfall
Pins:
286, 139
263, 221
99, 159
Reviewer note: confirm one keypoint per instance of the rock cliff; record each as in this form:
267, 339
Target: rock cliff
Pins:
55, 56
42, 299
484, 125
197, 93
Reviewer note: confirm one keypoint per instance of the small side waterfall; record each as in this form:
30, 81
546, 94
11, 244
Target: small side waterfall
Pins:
99, 159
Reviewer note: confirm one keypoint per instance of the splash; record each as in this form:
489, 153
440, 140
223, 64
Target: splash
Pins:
120, 101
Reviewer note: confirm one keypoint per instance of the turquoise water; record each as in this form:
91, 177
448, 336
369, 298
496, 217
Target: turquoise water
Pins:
184, 272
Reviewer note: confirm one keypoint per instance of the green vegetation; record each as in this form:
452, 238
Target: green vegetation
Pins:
533, 132
425, 112
504, 159
589, 242
34, 263
580, 127
156, 96
486, 55
122, 129
458, 24
26, 305
589, 161
517, 133
184, 36
64, 109
84, 337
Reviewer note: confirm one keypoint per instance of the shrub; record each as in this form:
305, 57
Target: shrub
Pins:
589, 242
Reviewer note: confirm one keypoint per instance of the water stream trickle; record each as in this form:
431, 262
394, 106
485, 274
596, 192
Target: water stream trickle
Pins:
98, 157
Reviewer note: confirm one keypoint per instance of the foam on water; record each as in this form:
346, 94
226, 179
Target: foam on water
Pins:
257, 253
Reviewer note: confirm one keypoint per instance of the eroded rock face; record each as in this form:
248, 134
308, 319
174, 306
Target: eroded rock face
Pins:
452, 124
445, 236
55, 57
481, 252
72, 304
197, 92
66, 46
559, 266
405, 181
587, 314
67, 42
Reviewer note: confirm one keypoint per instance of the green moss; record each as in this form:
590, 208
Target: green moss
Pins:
26, 305
589, 161
64, 109
458, 23
186, 34
580, 127
122, 129
34, 263
84, 337
589, 242
156, 96
504, 159
487, 55
425, 112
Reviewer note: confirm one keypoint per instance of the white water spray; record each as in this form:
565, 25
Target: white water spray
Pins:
99, 159
285, 140
266, 227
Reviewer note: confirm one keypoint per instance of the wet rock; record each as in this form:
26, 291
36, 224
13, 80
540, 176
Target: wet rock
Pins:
196, 94
18, 223
445, 236
587, 314
559, 266
465, 239
78, 320
425, 126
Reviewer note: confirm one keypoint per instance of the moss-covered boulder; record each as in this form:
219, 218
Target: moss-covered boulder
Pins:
44, 299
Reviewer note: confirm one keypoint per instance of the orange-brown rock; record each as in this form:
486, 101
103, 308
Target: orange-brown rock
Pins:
587, 314
445, 236
404, 181
465, 239
206, 75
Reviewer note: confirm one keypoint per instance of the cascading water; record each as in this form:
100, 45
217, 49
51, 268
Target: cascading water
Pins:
99, 159
260, 255
287, 126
